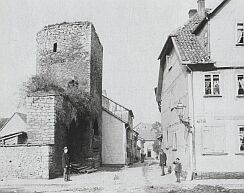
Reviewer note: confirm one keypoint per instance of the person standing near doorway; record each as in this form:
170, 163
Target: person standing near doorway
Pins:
66, 164
163, 159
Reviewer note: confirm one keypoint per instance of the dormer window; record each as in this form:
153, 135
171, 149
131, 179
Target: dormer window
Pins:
55, 45
240, 34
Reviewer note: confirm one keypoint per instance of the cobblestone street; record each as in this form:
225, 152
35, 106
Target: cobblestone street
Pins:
139, 178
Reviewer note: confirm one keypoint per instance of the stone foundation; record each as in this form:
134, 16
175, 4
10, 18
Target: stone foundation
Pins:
219, 175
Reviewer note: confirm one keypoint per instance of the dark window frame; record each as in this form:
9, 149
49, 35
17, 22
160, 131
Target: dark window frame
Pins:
55, 47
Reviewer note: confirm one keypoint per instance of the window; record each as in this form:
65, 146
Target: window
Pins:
212, 84
55, 47
213, 139
241, 139
240, 34
73, 84
240, 79
174, 142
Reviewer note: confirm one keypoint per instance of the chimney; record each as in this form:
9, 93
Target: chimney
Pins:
192, 12
201, 8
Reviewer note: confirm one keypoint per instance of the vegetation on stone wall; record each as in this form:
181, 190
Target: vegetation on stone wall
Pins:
84, 102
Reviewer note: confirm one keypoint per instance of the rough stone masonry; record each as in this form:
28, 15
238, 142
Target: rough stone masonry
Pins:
69, 52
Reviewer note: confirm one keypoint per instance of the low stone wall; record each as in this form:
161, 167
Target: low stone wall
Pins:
25, 161
219, 175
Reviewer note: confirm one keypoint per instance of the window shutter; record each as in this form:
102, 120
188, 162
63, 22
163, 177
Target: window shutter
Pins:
219, 139
213, 139
207, 141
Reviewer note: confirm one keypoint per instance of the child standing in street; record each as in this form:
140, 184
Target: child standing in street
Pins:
178, 169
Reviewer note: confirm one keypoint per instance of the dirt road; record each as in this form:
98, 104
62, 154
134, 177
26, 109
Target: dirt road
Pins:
139, 178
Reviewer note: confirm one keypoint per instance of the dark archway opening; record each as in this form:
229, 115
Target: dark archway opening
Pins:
79, 139
95, 128
71, 139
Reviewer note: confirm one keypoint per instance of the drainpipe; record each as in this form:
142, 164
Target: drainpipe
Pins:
208, 38
193, 153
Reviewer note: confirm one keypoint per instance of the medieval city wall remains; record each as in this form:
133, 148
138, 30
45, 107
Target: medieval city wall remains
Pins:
48, 118
73, 52
68, 52
25, 161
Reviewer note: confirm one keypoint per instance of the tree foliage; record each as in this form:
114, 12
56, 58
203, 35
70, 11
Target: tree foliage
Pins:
156, 146
85, 103
156, 127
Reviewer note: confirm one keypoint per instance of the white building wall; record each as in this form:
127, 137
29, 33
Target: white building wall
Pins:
223, 37
113, 140
226, 113
14, 125
175, 88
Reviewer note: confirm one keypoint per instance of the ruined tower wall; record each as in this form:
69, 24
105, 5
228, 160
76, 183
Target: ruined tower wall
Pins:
71, 59
73, 51
96, 87
48, 120
67, 51
96, 63
41, 119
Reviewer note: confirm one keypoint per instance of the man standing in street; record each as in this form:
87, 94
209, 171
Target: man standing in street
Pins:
66, 164
163, 159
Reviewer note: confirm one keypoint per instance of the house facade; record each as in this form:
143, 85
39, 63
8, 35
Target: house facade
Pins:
140, 148
149, 137
118, 138
202, 68
14, 130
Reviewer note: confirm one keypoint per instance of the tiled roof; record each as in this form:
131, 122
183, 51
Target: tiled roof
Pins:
188, 46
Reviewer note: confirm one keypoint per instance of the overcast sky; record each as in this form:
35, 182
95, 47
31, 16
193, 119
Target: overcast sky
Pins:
132, 33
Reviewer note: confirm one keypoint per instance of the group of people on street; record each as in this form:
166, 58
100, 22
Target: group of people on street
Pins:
163, 162
178, 165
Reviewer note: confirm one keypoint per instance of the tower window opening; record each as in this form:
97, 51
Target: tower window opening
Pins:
73, 84
55, 45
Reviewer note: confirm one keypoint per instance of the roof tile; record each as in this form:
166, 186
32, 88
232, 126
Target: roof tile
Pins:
189, 47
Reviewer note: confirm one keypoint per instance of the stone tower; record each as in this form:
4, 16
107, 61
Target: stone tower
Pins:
71, 52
